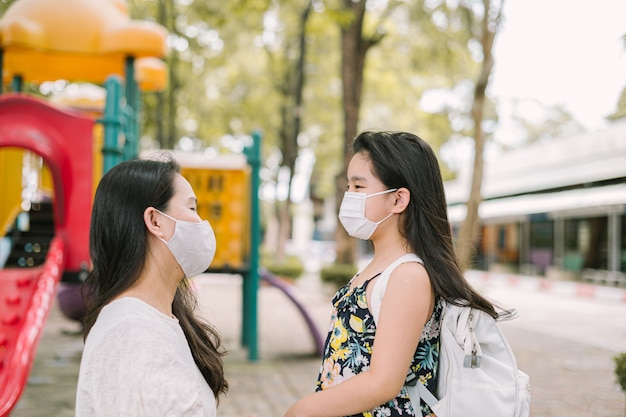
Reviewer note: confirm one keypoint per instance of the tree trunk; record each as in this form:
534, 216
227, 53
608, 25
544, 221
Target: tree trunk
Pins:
160, 107
170, 115
172, 89
354, 49
283, 215
290, 129
470, 228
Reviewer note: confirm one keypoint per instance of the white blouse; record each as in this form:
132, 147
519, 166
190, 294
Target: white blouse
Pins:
137, 362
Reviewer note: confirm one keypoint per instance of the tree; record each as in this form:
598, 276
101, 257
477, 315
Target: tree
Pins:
4, 5
420, 51
620, 371
217, 86
289, 80
620, 110
484, 27
531, 121
354, 47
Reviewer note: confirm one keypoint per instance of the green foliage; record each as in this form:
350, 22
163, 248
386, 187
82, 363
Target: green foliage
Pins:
620, 370
4, 5
338, 274
620, 111
292, 267
224, 81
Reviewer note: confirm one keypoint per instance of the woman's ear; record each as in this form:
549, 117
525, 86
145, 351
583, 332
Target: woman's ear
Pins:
403, 198
153, 222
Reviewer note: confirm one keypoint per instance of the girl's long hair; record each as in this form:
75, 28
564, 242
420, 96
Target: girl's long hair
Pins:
118, 245
402, 159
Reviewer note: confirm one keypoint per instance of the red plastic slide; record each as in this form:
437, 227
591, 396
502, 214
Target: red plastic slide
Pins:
26, 295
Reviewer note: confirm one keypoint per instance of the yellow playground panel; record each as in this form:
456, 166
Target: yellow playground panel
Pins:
222, 186
10, 184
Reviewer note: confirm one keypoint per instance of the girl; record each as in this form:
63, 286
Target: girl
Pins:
396, 199
146, 353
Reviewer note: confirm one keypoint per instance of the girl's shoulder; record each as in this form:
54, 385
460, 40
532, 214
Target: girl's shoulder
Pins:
408, 263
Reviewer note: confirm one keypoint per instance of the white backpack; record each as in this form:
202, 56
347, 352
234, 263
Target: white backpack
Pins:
478, 375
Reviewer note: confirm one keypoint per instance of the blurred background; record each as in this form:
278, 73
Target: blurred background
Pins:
523, 102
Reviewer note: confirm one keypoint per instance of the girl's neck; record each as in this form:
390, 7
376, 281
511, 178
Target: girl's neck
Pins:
390, 246
385, 253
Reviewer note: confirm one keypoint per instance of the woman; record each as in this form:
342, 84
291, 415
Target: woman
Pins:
146, 353
396, 199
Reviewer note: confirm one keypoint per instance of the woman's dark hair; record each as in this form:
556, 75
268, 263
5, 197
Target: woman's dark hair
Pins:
118, 244
402, 159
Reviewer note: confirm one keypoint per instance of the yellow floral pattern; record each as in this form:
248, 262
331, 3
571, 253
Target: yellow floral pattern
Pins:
348, 350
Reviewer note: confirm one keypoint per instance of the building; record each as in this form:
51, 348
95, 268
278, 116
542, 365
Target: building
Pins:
554, 208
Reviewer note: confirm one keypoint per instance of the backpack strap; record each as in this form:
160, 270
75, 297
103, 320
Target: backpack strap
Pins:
380, 285
415, 389
417, 392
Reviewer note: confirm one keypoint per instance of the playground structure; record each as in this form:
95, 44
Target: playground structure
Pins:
54, 150
53, 155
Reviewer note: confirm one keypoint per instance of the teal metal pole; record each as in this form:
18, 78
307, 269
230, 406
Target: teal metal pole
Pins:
251, 278
17, 84
130, 128
137, 125
112, 121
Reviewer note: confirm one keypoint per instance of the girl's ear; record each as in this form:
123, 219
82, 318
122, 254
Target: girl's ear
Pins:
403, 198
153, 222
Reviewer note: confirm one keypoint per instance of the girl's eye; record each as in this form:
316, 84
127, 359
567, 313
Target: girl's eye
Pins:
353, 188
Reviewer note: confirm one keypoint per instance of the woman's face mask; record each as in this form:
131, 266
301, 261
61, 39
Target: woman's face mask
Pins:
193, 245
352, 214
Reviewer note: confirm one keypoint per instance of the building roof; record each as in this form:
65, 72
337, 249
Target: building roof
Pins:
571, 161
568, 176
595, 201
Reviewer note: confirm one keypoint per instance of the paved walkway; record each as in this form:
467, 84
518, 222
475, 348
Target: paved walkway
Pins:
288, 364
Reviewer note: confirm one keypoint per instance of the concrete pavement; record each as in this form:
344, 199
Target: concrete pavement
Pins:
569, 379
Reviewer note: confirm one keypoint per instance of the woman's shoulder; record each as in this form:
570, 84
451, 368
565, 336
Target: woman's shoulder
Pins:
128, 343
130, 339
132, 321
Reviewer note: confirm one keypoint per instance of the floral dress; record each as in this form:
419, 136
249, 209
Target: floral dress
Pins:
348, 350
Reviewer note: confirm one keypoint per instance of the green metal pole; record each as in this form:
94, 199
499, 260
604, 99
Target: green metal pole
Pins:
251, 278
17, 83
137, 126
130, 145
112, 121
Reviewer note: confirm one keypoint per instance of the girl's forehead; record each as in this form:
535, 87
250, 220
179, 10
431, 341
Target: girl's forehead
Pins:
360, 166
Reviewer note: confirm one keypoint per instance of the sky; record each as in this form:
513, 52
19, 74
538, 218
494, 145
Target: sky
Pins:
567, 52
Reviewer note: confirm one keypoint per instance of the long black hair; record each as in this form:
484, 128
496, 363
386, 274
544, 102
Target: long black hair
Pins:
401, 159
118, 245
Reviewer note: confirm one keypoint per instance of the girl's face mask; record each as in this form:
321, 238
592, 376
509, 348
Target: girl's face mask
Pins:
352, 214
193, 245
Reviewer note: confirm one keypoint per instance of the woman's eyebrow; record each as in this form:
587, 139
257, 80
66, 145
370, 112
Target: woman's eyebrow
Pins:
357, 178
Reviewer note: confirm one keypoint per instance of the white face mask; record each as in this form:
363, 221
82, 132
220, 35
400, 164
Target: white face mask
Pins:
193, 245
352, 214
